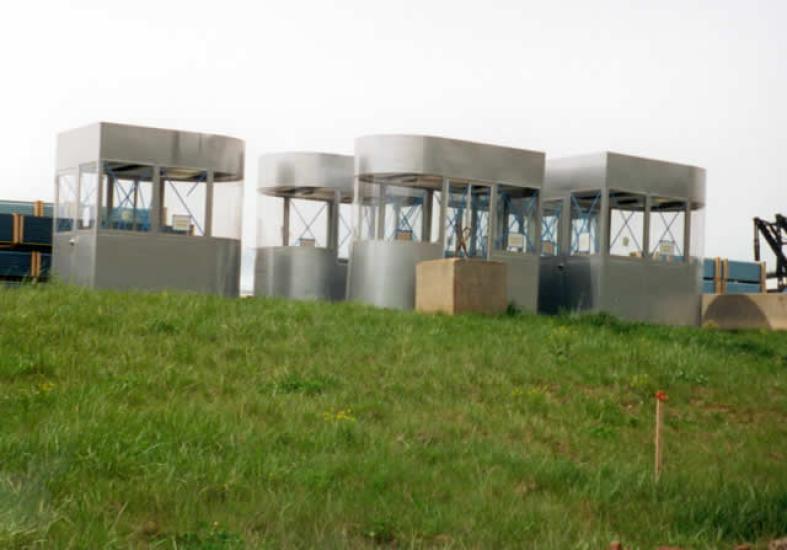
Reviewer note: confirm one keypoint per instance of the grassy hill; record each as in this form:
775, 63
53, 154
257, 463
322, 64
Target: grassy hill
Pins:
174, 420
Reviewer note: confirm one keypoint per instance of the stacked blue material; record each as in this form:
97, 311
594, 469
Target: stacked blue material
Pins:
731, 277
34, 231
6, 228
25, 241
37, 231
24, 207
15, 265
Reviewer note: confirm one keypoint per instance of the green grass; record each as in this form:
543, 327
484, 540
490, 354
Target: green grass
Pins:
181, 421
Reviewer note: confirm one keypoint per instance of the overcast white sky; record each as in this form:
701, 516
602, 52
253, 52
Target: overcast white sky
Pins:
695, 81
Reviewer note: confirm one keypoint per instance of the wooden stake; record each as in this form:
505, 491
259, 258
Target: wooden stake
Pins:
661, 397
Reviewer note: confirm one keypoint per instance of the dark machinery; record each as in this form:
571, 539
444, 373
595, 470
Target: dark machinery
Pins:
775, 234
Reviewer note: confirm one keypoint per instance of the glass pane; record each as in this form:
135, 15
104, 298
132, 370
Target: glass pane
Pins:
270, 221
550, 228
626, 224
127, 197
585, 212
404, 213
66, 209
367, 207
183, 201
517, 219
667, 227
467, 220
697, 228
345, 230
88, 196
437, 203
308, 223
227, 209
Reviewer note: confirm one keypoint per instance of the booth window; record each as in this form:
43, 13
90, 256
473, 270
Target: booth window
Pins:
127, 196
270, 220
66, 209
308, 223
626, 224
88, 196
585, 217
667, 228
345, 230
404, 213
184, 198
467, 220
368, 209
550, 228
227, 221
697, 231
517, 219
437, 205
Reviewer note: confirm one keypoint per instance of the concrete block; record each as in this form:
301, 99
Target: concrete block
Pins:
458, 285
745, 311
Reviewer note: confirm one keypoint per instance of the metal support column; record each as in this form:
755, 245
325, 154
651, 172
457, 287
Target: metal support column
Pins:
492, 221
646, 248
443, 213
381, 214
156, 209
427, 217
285, 224
604, 224
333, 222
687, 252
208, 229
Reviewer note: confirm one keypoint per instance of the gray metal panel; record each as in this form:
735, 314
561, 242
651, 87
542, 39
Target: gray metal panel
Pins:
300, 273
74, 257
152, 146
570, 283
653, 292
382, 273
615, 171
522, 274
78, 146
279, 173
580, 173
134, 260
175, 148
632, 289
668, 179
381, 155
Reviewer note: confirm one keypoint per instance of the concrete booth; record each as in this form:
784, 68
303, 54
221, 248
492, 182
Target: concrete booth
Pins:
623, 235
419, 198
303, 225
148, 208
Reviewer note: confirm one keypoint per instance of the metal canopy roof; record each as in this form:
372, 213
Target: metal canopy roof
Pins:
618, 172
414, 160
305, 175
191, 152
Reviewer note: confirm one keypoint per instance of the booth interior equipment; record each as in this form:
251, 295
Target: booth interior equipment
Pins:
420, 198
623, 235
148, 208
304, 225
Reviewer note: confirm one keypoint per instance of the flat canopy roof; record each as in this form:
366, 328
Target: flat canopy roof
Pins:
132, 145
406, 159
618, 172
305, 175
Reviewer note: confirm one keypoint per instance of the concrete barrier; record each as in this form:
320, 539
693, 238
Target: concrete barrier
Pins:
745, 311
460, 286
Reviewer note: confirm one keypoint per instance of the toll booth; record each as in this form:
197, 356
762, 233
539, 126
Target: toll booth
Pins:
148, 208
421, 198
623, 235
